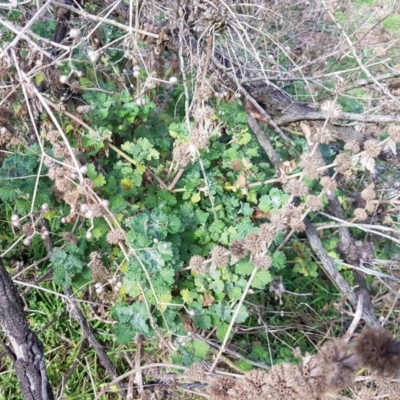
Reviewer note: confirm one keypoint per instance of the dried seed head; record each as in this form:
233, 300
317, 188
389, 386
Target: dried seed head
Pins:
379, 351
369, 193
338, 364
360, 214
218, 388
333, 109
328, 184
220, 256
70, 238
310, 165
182, 155
296, 188
196, 373
323, 135
27, 229
314, 203
394, 133
71, 197
353, 147
372, 148
99, 271
253, 243
267, 232
343, 163
262, 261
198, 265
115, 236
238, 249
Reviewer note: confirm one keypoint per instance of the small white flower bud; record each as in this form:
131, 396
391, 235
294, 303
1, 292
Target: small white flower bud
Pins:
89, 214
63, 79
173, 80
105, 203
45, 207
83, 169
83, 208
99, 290
75, 34
14, 217
88, 235
136, 74
98, 285
27, 241
93, 56
140, 101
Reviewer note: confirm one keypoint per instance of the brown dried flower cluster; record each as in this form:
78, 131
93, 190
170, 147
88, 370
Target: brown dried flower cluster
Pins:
323, 135
182, 155
198, 265
360, 214
196, 373
115, 236
238, 249
379, 351
267, 232
394, 133
28, 229
353, 147
198, 138
314, 203
310, 165
369, 193
296, 188
220, 256
70, 238
332, 369
372, 148
328, 184
262, 261
343, 163
289, 216
99, 271
253, 243
53, 136
333, 109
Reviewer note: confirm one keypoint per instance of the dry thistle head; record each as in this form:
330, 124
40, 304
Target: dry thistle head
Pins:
394, 133
314, 203
219, 387
343, 163
310, 165
262, 261
337, 364
198, 265
220, 256
328, 184
251, 385
378, 350
360, 214
253, 243
353, 147
115, 236
369, 192
372, 148
238, 249
296, 188
267, 232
